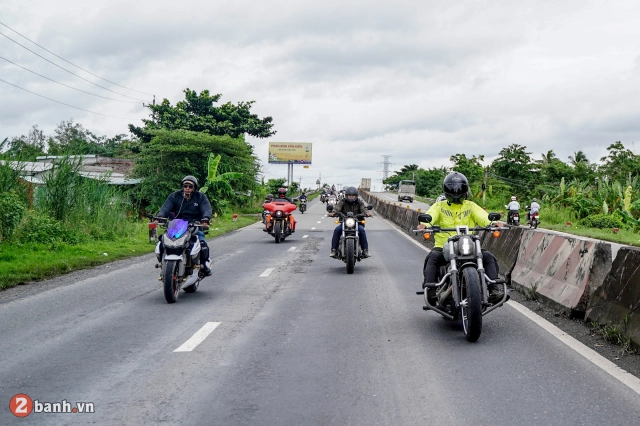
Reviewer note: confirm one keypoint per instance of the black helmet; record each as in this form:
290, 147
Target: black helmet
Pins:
191, 179
351, 191
282, 192
269, 196
455, 187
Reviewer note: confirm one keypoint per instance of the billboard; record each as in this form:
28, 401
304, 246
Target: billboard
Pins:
289, 153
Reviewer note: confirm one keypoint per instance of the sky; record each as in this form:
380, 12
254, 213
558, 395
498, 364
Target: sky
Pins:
419, 80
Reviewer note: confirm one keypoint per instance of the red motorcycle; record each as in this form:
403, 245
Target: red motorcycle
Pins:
534, 220
279, 221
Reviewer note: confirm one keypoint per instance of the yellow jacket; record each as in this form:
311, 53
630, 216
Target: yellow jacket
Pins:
449, 216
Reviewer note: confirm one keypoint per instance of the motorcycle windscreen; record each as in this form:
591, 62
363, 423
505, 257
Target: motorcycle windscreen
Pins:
177, 227
285, 207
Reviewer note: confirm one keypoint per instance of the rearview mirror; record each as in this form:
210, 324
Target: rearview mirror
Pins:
369, 207
425, 218
494, 216
329, 208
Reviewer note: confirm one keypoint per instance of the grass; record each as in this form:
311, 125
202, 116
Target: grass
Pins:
614, 334
20, 264
625, 236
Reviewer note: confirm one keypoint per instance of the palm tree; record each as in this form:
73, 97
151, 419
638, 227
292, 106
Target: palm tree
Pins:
577, 158
549, 157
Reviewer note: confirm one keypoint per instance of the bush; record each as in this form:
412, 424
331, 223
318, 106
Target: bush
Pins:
11, 213
601, 221
43, 229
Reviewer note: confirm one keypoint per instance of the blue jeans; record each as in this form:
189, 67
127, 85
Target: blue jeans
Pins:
338, 232
200, 235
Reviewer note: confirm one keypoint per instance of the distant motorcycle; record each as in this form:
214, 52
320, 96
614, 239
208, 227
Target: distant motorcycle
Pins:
534, 220
323, 198
331, 202
349, 249
513, 217
178, 253
280, 222
461, 293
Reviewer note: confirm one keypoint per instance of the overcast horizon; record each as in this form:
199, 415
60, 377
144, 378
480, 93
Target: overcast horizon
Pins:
417, 80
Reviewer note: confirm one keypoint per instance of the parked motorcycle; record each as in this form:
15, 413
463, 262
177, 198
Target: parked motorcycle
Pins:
513, 217
534, 220
461, 293
178, 253
303, 206
349, 249
280, 221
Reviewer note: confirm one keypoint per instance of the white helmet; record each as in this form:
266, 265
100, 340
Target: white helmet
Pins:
513, 198
535, 199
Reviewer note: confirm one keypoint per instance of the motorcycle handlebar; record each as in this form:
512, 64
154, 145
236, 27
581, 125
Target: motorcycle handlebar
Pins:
476, 229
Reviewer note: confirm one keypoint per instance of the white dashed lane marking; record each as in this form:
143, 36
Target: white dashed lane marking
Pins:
304, 236
291, 249
267, 272
198, 337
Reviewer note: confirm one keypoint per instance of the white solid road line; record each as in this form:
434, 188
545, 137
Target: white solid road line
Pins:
627, 378
304, 236
198, 337
623, 376
267, 272
291, 249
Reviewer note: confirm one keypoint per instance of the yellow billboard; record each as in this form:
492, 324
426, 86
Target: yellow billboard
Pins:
289, 153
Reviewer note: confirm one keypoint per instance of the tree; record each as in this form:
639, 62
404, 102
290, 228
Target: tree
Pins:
171, 155
619, 163
73, 139
470, 167
274, 184
405, 173
26, 148
218, 183
578, 158
514, 166
429, 182
197, 113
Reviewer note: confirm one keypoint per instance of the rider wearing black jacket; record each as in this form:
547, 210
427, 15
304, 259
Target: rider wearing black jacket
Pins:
191, 205
351, 203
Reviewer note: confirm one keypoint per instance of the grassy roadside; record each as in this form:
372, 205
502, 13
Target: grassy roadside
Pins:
20, 264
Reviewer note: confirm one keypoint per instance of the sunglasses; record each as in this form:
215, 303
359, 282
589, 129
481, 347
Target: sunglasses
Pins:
187, 185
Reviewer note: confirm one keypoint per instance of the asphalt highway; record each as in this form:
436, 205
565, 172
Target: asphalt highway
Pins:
294, 341
393, 198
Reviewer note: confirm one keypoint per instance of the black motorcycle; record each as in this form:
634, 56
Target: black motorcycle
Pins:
513, 217
349, 249
461, 293
303, 206
178, 253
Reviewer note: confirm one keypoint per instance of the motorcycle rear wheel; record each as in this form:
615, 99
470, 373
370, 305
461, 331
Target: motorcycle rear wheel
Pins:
193, 287
277, 231
472, 313
351, 255
170, 282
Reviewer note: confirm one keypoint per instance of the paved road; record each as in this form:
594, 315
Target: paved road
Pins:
393, 198
305, 345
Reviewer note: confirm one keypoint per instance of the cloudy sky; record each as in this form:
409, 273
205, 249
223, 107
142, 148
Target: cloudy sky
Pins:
419, 80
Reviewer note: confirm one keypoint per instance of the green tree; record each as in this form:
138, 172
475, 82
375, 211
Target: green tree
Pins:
470, 167
619, 163
198, 113
26, 148
429, 182
274, 184
514, 165
173, 154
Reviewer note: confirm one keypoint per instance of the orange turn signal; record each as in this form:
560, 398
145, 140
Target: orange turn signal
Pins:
496, 234
337, 221
426, 236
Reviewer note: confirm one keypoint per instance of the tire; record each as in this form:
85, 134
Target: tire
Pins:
535, 225
170, 282
472, 314
277, 232
351, 255
192, 288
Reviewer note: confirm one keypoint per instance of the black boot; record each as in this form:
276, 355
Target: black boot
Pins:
204, 259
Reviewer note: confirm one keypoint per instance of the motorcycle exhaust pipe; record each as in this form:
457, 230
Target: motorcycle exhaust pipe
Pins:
444, 295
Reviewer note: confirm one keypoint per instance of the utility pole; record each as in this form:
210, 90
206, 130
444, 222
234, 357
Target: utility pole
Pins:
484, 188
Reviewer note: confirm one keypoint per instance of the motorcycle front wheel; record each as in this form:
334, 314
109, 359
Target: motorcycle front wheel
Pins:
277, 231
351, 255
170, 281
471, 305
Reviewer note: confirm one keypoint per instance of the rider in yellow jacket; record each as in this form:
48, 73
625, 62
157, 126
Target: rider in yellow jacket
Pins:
456, 211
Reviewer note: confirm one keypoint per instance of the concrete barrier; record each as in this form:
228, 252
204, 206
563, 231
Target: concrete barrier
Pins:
505, 248
563, 271
617, 301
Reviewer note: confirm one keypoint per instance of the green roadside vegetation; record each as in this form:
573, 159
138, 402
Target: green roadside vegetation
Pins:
22, 263
599, 200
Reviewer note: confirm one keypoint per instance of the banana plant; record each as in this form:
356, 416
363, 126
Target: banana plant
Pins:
218, 182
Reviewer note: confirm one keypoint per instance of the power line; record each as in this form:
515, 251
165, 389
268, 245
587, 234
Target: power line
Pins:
60, 57
71, 106
70, 87
70, 72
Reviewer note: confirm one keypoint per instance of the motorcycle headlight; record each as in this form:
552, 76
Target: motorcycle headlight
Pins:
178, 242
279, 213
350, 222
465, 245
